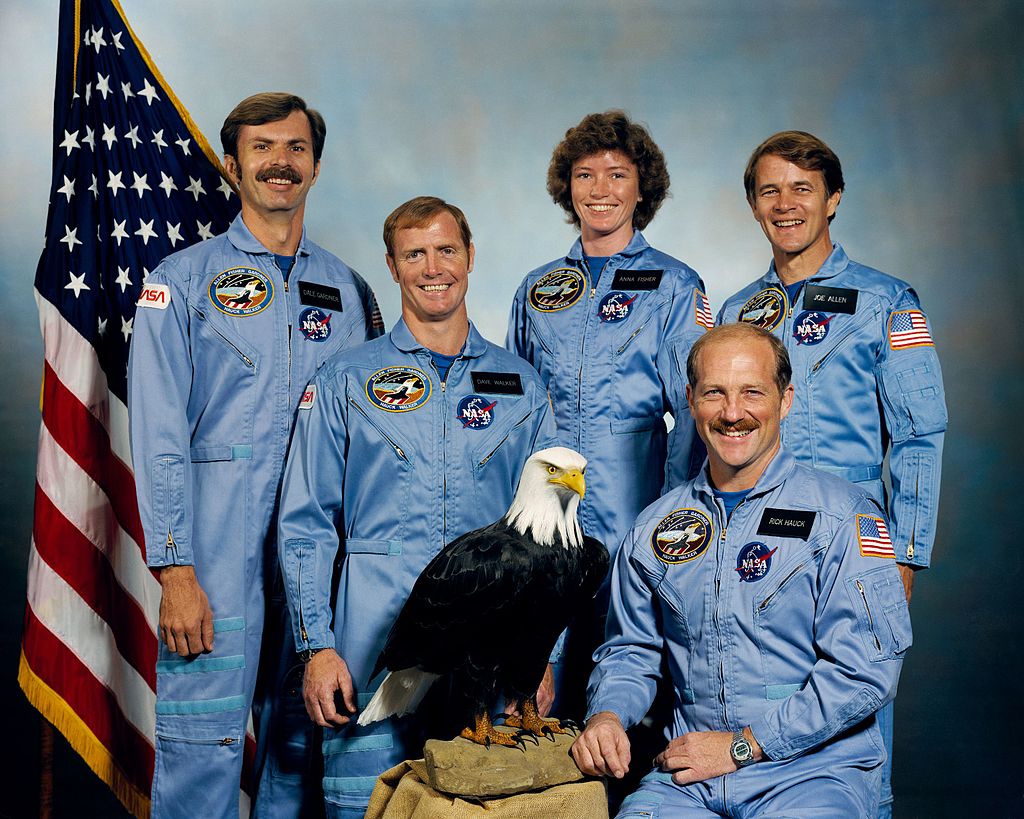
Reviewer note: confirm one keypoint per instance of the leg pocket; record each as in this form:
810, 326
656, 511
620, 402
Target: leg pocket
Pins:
197, 775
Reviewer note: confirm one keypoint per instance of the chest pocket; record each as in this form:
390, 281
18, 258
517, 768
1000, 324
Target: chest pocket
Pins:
645, 310
381, 430
846, 334
792, 574
501, 441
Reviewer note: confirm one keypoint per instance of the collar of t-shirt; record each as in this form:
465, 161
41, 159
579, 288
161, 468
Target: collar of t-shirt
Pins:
793, 289
285, 264
444, 362
730, 499
596, 264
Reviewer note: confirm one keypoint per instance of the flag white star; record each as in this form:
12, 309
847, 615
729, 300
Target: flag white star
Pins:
71, 238
158, 139
133, 135
88, 92
126, 327
148, 91
174, 233
184, 145
167, 183
99, 238
97, 39
225, 188
146, 231
119, 232
69, 188
117, 41
126, 89
87, 38
145, 275
140, 185
204, 230
102, 84
195, 188
70, 141
108, 135
93, 187
122, 277
114, 183
76, 284
90, 138
101, 324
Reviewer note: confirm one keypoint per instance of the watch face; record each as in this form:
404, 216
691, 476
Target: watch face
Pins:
741, 750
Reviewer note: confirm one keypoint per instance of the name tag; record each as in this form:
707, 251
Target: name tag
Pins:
320, 295
830, 299
498, 383
637, 279
786, 523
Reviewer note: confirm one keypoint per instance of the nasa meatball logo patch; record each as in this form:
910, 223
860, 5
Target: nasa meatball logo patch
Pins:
557, 290
682, 536
615, 307
765, 309
811, 327
475, 412
241, 291
315, 324
398, 389
754, 561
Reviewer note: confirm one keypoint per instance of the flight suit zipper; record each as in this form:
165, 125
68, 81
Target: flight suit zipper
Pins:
228, 341
871, 620
398, 450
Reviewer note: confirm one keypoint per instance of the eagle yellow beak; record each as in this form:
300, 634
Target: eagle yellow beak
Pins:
571, 479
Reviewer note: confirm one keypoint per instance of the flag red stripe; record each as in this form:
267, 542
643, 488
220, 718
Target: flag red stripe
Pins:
85, 439
56, 665
69, 553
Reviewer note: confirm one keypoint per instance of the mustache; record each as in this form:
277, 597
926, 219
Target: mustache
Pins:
279, 172
743, 425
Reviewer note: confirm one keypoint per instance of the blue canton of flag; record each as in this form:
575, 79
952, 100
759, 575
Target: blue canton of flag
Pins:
873, 537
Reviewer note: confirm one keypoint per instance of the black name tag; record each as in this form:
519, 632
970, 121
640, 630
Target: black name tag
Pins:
637, 279
320, 295
499, 383
786, 523
830, 299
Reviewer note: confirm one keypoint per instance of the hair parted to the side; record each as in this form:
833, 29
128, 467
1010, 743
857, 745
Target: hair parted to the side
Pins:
610, 131
270, 106
805, 151
418, 212
748, 332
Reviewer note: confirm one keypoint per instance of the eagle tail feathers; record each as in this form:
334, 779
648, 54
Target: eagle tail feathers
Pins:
399, 694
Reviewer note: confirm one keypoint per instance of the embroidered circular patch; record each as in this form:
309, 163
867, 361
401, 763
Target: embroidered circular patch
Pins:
475, 412
764, 309
615, 306
681, 536
557, 290
398, 389
754, 561
241, 291
315, 323
811, 327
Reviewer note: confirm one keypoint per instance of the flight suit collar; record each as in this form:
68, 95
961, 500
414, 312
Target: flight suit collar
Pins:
637, 245
404, 340
777, 471
241, 237
835, 264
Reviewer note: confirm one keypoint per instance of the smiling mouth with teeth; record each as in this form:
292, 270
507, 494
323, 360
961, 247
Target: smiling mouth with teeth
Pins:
602, 208
435, 288
788, 223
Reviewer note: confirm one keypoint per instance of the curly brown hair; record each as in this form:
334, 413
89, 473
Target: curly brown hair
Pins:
610, 131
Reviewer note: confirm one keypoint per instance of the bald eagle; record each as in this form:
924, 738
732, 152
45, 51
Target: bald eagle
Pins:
485, 613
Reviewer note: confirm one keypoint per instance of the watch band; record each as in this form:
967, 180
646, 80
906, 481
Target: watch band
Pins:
307, 654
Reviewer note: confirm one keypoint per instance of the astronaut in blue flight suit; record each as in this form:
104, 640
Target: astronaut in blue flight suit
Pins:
227, 334
772, 590
400, 446
608, 328
868, 380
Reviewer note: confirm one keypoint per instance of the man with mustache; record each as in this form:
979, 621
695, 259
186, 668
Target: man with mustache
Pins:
867, 374
235, 327
770, 589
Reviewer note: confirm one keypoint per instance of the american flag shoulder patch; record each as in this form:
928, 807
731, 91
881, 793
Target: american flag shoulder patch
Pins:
702, 310
873, 537
909, 328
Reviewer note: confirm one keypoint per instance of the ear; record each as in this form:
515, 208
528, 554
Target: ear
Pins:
787, 401
472, 256
316, 173
689, 398
391, 266
231, 166
832, 203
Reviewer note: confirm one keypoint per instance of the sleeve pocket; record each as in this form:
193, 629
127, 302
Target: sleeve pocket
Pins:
912, 385
882, 612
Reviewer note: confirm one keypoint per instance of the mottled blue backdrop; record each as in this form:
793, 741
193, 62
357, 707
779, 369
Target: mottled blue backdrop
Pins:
922, 100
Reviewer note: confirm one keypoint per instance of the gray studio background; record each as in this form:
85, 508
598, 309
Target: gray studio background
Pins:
921, 100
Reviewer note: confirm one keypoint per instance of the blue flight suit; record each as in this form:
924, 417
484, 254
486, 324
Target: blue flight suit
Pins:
222, 349
789, 618
388, 464
867, 380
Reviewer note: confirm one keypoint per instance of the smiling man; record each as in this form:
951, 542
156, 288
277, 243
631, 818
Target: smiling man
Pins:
868, 381
232, 330
770, 590
401, 445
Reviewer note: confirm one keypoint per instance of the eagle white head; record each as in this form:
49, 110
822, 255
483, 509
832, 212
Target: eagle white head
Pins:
548, 496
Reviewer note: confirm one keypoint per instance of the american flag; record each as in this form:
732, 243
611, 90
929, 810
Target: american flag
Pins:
133, 180
703, 310
873, 537
909, 328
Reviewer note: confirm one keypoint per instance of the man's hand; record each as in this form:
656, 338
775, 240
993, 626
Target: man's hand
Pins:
186, 619
603, 747
325, 675
701, 755
907, 576
546, 692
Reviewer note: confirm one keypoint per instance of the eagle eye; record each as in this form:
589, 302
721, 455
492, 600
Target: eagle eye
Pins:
552, 470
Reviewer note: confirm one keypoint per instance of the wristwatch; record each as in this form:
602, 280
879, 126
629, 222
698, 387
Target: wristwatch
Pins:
307, 654
741, 751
